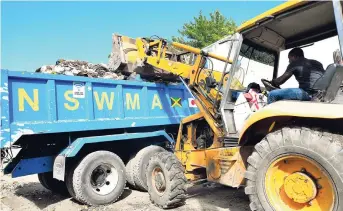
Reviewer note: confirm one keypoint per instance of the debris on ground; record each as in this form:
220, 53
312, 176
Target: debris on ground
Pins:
26, 193
81, 68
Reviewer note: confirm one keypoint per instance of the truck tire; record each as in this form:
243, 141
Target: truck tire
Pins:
296, 168
52, 184
140, 164
42, 181
69, 181
129, 174
99, 178
166, 181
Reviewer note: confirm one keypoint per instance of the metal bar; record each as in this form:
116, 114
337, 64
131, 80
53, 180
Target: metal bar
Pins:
337, 8
227, 92
199, 51
223, 75
184, 83
227, 40
276, 65
226, 107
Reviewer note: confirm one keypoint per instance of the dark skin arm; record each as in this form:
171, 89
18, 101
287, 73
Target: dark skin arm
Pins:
282, 79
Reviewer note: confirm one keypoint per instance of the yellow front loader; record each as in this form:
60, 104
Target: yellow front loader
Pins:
288, 154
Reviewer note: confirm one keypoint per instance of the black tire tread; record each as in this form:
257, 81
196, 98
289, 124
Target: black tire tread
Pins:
42, 181
54, 185
129, 173
175, 172
77, 183
137, 162
69, 181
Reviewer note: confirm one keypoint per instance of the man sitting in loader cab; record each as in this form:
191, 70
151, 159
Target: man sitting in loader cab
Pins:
306, 72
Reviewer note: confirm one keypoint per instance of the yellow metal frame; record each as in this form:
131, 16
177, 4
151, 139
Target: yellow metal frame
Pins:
274, 11
178, 68
225, 165
199, 52
294, 109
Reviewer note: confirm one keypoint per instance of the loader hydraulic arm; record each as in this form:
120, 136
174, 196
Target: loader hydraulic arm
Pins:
154, 58
202, 55
155, 52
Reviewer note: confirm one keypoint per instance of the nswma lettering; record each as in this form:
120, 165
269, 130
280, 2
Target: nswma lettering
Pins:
102, 100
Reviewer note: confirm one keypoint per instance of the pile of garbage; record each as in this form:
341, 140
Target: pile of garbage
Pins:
81, 68
87, 69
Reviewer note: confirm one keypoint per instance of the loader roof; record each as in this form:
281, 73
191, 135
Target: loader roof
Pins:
291, 24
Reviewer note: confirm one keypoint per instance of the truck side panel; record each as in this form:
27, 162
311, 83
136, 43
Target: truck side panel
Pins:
44, 103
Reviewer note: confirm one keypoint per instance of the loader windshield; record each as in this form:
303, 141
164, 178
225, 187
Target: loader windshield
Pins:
255, 63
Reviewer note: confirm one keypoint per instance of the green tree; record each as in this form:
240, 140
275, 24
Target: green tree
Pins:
204, 31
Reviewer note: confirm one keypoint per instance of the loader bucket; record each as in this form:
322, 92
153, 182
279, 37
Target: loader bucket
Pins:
124, 51
125, 58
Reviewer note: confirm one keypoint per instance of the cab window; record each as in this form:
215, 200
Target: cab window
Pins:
256, 63
322, 51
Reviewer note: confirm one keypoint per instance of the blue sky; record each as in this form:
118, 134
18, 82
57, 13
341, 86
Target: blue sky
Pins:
38, 33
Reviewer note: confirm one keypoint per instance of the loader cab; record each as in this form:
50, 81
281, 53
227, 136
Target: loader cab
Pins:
266, 37
296, 24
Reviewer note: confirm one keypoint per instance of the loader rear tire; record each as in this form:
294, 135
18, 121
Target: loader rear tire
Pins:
99, 178
140, 164
52, 184
295, 169
166, 181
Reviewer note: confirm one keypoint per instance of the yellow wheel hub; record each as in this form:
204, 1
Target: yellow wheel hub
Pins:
300, 187
298, 183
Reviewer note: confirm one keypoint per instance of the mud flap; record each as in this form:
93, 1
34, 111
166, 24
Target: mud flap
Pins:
59, 167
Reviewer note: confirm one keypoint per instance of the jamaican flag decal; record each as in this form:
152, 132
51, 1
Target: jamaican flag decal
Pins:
176, 101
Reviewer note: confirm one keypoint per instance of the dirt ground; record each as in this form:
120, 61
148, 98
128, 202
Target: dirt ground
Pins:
26, 193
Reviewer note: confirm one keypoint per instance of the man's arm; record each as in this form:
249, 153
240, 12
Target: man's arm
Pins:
287, 74
282, 79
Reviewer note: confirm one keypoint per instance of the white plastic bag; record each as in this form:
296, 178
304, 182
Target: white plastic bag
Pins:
245, 105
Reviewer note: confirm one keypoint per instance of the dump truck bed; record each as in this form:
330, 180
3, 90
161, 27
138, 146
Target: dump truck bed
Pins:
35, 103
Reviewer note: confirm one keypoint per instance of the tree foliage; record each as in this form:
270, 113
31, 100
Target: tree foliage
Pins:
204, 31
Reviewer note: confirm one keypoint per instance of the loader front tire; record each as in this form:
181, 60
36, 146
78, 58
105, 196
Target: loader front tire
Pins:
52, 184
296, 169
99, 178
140, 163
166, 181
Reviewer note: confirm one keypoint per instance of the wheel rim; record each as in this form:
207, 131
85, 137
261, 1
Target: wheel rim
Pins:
158, 180
104, 179
299, 183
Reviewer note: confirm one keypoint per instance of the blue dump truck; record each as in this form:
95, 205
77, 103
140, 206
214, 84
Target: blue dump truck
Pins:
87, 136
